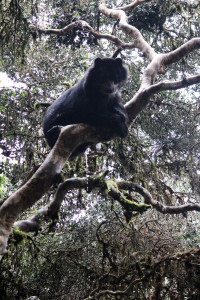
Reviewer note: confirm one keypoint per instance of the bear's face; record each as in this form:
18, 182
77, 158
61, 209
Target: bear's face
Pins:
108, 75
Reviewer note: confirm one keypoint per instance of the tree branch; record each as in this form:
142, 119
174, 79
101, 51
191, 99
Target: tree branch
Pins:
157, 61
156, 66
173, 85
182, 51
138, 40
113, 190
132, 5
85, 27
69, 139
165, 209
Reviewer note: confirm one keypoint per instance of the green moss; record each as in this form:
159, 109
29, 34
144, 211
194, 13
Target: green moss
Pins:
128, 205
18, 237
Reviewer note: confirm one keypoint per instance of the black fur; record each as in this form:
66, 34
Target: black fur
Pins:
95, 100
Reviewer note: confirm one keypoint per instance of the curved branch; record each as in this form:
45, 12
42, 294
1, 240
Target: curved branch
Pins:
165, 209
157, 61
182, 51
69, 139
156, 66
86, 27
51, 211
117, 13
141, 98
138, 40
173, 85
132, 5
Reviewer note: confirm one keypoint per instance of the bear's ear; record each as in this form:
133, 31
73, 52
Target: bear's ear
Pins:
98, 62
118, 61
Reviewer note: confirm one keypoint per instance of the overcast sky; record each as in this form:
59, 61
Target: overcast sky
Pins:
6, 82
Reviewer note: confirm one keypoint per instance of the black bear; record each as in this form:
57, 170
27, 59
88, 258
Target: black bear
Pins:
95, 100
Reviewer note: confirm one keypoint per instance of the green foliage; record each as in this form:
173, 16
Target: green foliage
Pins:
3, 185
16, 34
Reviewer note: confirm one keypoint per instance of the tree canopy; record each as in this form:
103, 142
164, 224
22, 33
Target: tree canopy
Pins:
122, 220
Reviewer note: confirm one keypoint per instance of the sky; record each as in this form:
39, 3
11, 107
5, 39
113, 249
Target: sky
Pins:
5, 81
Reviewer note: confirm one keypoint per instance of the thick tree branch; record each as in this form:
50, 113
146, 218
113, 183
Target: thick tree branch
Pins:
113, 189
182, 51
173, 85
132, 5
156, 66
138, 40
70, 138
52, 210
